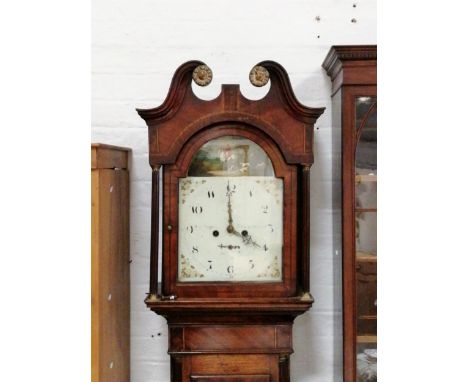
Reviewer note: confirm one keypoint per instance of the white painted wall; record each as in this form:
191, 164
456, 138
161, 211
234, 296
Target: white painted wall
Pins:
138, 44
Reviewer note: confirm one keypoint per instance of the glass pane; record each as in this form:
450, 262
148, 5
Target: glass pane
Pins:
366, 289
230, 215
366, 176
363, 105
366, 125
366, 238
366, 362
366, 234
366, 190
366, 152
231, 156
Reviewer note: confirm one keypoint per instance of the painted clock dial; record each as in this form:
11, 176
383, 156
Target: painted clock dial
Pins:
230, 215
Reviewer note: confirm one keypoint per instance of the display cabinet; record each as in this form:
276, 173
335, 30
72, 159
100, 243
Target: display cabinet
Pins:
353, 71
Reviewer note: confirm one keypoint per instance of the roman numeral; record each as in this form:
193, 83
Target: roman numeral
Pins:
197, 209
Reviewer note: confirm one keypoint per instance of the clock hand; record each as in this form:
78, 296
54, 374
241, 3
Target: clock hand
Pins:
230, 227
247, 239
233, 230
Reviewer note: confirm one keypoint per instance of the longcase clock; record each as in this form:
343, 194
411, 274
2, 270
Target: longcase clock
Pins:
353, 70
235, 224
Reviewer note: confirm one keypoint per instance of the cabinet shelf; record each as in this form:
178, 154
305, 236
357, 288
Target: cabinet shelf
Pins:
366, 178
366, 339
366, 258
359, 209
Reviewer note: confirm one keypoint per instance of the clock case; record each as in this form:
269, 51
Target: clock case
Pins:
242, 317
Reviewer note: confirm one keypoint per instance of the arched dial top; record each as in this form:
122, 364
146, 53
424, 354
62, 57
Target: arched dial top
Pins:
230, 156
230, 215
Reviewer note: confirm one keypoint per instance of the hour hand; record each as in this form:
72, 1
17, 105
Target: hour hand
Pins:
246, 238
231, 229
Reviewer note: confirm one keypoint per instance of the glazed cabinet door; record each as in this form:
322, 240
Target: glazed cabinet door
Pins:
365, 230
353, 72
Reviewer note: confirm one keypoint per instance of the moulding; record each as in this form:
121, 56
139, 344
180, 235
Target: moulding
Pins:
183, 114
340, 54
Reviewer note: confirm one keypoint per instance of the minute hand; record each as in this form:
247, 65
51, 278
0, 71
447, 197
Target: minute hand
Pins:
230, 227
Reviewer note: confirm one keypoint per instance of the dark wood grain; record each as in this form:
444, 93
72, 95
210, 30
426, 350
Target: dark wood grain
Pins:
304, 213
229, 338
232, 364
176, 368
353, 70
153, 290
284, 374
231, 378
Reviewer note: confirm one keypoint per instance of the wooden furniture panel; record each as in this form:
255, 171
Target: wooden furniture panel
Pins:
110, 287
221, 364
108, 157
232, 378
221, 338
230, 339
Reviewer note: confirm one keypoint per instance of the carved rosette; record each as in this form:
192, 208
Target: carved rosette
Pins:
202, 75
259, 76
